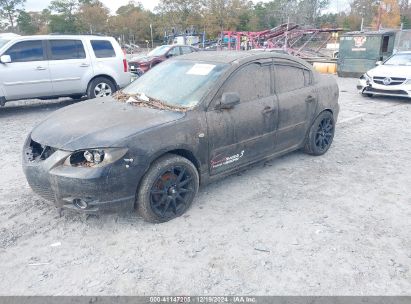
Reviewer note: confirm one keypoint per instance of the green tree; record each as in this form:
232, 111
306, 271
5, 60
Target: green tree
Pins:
25, 24
93, 17
310, 10
180, 14
9, 10
266, 15
65, 21
132, 23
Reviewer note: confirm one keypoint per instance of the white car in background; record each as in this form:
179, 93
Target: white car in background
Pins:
389, 78
53, 66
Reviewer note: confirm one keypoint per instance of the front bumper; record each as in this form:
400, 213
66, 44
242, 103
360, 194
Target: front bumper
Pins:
370, 87
86, 190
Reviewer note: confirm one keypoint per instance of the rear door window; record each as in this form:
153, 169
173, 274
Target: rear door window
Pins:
290, 78
26, 51
67, 49
175, 51
186, 50
103, 48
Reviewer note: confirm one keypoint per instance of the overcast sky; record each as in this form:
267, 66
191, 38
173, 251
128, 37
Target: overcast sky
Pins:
113, 5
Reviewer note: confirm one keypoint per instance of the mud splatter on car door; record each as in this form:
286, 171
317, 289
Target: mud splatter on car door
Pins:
245, 131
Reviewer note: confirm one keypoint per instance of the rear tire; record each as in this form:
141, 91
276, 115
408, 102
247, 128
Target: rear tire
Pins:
321, 134
168, 189
100, 87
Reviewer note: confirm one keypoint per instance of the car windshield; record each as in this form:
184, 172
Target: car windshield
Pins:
399, 59
179, 83
159, 51
3, 42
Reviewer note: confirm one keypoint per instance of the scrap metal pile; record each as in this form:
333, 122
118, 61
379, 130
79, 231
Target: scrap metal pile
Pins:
290, 37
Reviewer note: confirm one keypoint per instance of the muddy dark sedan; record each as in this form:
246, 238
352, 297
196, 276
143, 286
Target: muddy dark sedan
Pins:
188, 121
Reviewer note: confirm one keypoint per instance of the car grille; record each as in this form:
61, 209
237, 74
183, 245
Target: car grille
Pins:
38, 152
394, 92
394, 80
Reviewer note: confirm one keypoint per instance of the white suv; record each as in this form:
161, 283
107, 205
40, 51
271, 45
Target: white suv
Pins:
52, 66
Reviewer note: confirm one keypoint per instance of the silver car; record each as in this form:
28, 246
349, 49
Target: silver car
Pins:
55, 66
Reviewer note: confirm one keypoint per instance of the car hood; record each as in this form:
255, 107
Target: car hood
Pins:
98, 123
391, 71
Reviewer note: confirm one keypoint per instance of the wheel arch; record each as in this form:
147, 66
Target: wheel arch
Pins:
180, 151
325, 110
103, 76
188, 155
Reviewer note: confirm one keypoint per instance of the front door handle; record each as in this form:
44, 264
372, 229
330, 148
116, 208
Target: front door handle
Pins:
268, 110
310, 99
40, 68
84, 65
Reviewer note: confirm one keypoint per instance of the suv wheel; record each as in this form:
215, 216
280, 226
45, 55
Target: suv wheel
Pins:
168, 189
100, 87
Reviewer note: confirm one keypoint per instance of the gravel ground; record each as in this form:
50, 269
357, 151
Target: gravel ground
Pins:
298, 225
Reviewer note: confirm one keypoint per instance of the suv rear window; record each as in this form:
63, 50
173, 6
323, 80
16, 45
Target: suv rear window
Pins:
26, 51
67, 49
103, 48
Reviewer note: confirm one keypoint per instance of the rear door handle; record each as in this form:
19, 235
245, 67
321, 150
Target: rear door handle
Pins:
40, 68
84, 65
268, 110
310, 99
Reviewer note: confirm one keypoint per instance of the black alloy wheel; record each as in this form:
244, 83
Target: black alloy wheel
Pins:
168, 189
321, 134
325, 134
172, 192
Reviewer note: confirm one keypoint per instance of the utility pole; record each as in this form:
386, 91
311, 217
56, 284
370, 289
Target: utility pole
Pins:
151, 33
379, 15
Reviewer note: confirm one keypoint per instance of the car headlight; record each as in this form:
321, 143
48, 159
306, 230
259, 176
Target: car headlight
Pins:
95, 158
366, 77
408, 81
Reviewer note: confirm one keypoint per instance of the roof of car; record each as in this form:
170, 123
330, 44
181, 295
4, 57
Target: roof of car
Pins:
176, 44
40, 37
239, 56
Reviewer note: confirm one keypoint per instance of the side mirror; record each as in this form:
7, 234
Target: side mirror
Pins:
378, 63
5, 59
229, 100
169, 55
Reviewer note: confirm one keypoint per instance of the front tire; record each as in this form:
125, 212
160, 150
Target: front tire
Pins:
321, 134
168, 189
100, 87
